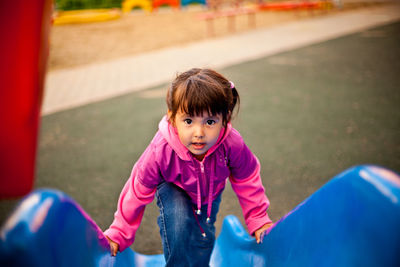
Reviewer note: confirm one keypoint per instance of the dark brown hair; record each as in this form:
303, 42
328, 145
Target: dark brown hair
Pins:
198, 90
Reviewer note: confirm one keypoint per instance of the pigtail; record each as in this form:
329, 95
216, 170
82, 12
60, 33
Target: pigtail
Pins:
235, 98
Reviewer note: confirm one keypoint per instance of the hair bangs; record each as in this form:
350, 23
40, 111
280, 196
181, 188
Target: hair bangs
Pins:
195, 98
197, 91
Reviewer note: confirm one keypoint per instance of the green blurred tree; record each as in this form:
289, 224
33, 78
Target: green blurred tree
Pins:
86, 4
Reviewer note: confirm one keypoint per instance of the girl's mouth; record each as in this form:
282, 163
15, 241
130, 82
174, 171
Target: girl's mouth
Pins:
198, 146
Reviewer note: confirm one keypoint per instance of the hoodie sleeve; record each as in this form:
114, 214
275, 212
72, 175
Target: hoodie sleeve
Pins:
247, 184
135, 195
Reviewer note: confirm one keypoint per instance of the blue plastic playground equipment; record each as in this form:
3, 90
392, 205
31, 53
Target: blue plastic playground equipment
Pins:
354, 220
187, 2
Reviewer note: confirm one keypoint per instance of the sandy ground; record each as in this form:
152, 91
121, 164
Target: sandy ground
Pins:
139, 31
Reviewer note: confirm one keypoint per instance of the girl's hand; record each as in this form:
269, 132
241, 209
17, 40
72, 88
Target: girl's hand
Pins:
260, 231
113, 247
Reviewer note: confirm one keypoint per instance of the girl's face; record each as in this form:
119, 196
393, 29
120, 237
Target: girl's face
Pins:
199, 133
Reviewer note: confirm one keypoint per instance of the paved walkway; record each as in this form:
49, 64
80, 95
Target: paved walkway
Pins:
73, 87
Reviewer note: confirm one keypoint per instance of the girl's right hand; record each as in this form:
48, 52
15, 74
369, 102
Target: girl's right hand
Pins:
113, 247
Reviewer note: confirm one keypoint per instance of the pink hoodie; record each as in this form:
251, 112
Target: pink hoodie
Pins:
167, 159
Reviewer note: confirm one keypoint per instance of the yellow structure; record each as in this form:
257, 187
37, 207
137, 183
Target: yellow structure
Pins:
128, 5
85, 16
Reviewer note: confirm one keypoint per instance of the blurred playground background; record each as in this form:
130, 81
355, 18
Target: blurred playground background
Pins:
139, 30
308, 114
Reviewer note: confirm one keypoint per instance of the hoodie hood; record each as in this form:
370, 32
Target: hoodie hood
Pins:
170, 134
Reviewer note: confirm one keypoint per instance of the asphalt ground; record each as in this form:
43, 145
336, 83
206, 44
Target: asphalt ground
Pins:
308, 114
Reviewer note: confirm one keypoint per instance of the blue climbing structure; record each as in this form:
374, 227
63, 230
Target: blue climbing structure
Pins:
354, 220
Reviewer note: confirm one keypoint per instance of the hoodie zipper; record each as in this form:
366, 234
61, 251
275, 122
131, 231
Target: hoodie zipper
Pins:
210, 185
202, 180
202, 167
198, 211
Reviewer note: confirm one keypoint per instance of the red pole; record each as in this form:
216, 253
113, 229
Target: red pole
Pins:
24, 48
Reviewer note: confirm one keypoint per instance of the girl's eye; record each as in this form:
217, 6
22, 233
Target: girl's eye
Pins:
187, 121
210, 122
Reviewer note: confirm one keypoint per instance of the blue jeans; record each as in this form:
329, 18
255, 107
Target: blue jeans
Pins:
182, 230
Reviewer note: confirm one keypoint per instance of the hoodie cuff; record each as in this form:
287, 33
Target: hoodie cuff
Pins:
256, 224
115, 236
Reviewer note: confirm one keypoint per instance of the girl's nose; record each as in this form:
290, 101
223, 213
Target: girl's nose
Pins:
198, 132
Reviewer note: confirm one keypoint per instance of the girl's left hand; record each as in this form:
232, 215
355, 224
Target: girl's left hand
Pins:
114, 247
261, 230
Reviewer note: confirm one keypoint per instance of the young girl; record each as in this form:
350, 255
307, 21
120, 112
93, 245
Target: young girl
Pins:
186, 167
